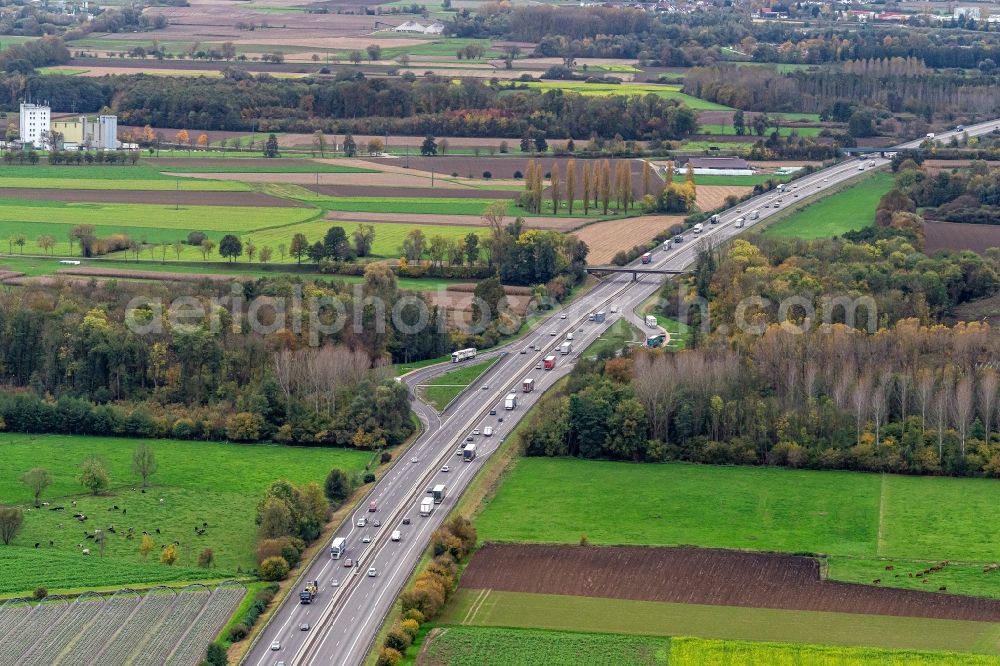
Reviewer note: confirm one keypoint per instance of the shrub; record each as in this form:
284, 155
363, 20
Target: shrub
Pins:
40, 593
183, 428
518, 174
397, 639
216, 655
274, 568
415, 615
388, 657
206, 558
386, 458
238, 632
244, 427
369, 477
411, 627
487, 175
196, 238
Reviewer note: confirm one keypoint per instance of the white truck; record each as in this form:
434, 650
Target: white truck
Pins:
565, 347
651, 321
426, 506
488, 431
338, 547
698, 228
510, 402
469, 452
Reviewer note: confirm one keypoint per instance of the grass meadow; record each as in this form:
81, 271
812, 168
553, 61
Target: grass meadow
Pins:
468, 646
629, 89
597, 614
850, 209
862, 522
198, 482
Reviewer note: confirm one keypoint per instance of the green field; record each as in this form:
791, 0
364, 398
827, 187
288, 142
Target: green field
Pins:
472, 646
748, 181
850, 209
443, 389
16, 216
279, 166
861, 521
629, 89
198, 482
680, 333
782, 131
596, 614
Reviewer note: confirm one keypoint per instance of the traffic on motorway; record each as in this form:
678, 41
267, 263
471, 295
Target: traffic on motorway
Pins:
371, 556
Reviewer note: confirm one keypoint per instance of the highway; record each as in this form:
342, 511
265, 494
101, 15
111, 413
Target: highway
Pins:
344, 619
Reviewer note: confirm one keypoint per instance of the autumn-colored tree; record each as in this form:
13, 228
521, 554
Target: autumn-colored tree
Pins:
555, 192
146, 546
668, 174
202, 140
587, 187
182, 138
689, 173
604, 185
168, 555
570, 184
647, 178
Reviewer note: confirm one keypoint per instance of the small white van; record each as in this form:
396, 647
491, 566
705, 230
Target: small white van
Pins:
395, 535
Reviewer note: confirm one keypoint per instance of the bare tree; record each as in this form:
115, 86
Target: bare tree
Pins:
988, 383
942, 402
144, 463
962, 407
37, 479
925, 393
655, 388
859, 401
880, 398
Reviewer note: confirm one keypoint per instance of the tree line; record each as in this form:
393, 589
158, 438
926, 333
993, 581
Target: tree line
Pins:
430, 105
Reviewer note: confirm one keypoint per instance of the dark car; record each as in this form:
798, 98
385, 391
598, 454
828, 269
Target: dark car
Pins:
493, 412
406, 521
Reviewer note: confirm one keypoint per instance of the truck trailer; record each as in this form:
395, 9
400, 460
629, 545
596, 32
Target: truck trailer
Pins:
469, 453
426, 506
338, 547
565, 347
438, 493
309, 592
646, 258
549, 362
651, 321
510, 402
528, 385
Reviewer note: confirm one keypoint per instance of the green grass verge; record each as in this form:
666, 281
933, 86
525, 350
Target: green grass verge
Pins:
680, 333
616, 338
729, 130
850, 209
595, 614
279, 166
854, 518
171, 185
443, 389
198, 482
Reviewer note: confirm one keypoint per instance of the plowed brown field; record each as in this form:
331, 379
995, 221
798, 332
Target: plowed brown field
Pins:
710, 197
703, 576
605, 239
164, 197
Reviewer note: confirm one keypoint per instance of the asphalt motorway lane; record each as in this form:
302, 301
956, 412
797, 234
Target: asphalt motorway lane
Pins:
344, 619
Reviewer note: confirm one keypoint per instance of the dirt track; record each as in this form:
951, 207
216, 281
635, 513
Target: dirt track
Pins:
703, 576
165, 197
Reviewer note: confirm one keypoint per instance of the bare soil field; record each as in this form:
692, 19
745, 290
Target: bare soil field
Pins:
218, 23
498, 166
165, 197
712, 196
605, 239
958, 236
428, 219
935, 166
150, 275
703, 576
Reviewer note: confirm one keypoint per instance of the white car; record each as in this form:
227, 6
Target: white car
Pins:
334, 583
475, 431
414, 460
372, 573
553, 333
362, 522
486, 387
562, 316
275, 645
366, 539
446, 469
459, 452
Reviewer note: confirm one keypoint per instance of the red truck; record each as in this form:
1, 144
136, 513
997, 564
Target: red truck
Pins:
549, 362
